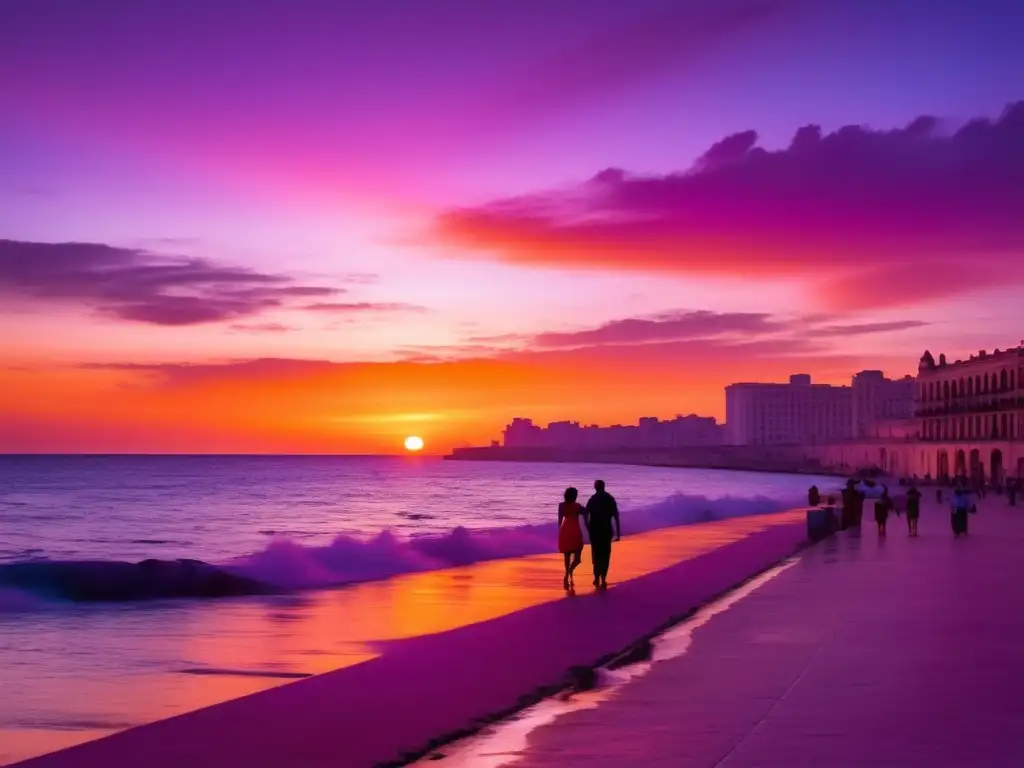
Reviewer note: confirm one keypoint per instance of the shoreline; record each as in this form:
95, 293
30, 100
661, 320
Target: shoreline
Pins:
636, 652
490, 455
460, 690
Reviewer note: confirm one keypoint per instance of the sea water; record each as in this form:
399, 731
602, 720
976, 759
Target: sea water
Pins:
303, 526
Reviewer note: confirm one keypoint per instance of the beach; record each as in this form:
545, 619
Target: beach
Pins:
421, 691
413, 549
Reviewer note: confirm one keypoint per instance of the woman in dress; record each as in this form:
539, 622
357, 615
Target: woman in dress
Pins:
570, 534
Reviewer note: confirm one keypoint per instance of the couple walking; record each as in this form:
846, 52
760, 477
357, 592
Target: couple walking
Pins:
600, 512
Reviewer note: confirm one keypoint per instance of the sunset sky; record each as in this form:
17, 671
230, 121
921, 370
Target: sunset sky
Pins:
320, 226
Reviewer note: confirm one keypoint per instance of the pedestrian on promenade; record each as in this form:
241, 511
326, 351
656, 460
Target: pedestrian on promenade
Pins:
853, 505
960, 504
813, 496
1011, 491
570, 534
883, 505
600, 513
913, 508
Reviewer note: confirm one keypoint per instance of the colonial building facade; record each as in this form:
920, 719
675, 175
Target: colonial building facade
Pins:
968, 421
970, 413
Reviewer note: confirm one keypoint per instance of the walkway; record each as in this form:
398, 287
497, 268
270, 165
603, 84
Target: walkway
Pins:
896, 652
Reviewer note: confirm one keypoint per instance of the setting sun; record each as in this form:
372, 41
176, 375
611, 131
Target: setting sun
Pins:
413, 443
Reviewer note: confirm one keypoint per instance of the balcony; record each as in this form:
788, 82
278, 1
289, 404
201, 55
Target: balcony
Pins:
958, 406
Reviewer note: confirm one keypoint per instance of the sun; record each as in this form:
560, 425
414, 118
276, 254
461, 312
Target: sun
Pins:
413, 443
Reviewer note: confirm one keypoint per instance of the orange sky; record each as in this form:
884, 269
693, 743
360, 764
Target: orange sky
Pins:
308, 407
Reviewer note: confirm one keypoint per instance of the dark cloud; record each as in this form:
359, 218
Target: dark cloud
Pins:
141, 286
873, 216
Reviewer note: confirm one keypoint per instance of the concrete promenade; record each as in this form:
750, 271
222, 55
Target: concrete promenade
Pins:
867, 652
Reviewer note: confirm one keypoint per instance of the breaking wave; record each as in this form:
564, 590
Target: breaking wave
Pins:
285, 565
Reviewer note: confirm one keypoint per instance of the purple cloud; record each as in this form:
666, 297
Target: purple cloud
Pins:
723, 328
872, 217
141, 286
340, 307
671, 327
261, 327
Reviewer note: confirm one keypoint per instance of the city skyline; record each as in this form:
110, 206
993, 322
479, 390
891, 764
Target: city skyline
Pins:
305, 227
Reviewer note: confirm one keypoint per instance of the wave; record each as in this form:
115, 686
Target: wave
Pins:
111, 581
286, 565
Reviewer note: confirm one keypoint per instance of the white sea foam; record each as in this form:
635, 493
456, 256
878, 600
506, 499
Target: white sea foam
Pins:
289, 564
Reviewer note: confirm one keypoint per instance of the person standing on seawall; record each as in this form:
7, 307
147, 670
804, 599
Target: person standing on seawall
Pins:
601, 511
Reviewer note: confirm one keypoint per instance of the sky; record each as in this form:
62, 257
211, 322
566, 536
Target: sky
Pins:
318, 227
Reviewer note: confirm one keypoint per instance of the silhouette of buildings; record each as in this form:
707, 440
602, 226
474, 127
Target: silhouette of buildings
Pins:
797, 413
881, 407
648, 433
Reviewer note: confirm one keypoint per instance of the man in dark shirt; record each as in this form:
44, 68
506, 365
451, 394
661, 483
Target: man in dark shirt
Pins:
601, 511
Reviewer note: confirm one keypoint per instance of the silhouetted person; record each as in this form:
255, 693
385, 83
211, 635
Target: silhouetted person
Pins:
913, 508
570, 535
813, 496
601, 511
960, 504
1011, 492
853, 505
883, 505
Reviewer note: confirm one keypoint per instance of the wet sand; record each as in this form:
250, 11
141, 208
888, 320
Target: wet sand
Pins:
426, 654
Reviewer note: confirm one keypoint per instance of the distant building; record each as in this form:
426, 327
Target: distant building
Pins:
877, 400
797, 413
649, 432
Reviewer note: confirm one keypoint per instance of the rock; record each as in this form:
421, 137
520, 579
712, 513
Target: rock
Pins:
581, 678
636, 653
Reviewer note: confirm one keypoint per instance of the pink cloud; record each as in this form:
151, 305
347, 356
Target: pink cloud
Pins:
871, 217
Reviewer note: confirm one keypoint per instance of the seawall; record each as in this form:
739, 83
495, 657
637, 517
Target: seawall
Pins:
774, 459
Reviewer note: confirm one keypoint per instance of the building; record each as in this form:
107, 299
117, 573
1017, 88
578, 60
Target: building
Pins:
970, 415
878, 400
649, 432
796, 413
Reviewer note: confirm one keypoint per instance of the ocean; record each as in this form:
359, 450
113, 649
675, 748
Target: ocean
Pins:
354, 552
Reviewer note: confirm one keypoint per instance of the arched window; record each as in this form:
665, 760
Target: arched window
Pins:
945, 390
1004, 428
977, 385
1003, 382
1012, 385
